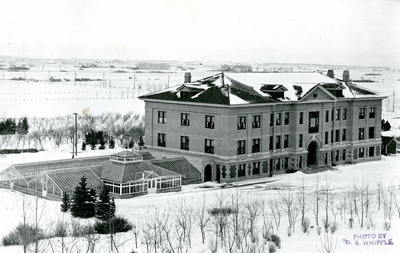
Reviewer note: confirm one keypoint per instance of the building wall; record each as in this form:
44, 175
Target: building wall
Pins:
226, 135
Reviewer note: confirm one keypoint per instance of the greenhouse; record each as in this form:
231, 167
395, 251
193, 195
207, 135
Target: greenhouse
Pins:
126, 174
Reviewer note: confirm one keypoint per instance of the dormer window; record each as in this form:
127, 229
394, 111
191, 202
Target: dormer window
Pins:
335, 89
274, 90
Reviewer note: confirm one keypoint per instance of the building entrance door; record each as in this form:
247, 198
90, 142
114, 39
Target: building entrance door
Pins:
312, 153
208, 173
152, 186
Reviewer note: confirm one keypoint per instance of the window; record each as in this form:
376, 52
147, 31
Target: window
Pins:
209, 146
326, 158
361, 133
278, 164
185, 142
185, 121
332, 136
241, 147
344, 154
333, 111
271, 143
371, 151
337, 155
301, 118
286, 118
286, 163
162, 116
326, 137
337, 115
361, 113
209, 121
242, 170
372, 112
278, 142
271, 119
286, 141
300, 141
361, 152
256, 168
256, 146
326, 116
271, 165
278, 118
313, 125
371, 133
337, 135
256, 121
161, 140
300, 162
242, 122
344, 135
344, 114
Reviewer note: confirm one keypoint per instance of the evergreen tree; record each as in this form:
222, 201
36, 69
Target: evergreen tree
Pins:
111, 143
105, 207
22, 126
82, 202
65, 203
83, 146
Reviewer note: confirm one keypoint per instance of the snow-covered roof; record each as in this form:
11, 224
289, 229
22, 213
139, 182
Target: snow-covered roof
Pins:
248, 88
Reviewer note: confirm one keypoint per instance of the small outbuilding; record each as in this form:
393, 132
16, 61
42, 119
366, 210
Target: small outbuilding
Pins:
390, 145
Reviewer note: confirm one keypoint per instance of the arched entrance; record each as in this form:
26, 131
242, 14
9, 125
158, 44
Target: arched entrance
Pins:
312, 153
208, 173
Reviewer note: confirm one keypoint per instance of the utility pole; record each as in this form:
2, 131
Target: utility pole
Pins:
75, 138
394, 95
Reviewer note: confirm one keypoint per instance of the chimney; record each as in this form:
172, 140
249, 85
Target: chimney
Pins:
331, 74
188, 77
346, 76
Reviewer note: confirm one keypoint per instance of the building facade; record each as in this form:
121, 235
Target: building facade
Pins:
245, 126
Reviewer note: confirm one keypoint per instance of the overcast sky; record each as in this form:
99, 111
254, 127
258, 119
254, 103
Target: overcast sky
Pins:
349, 32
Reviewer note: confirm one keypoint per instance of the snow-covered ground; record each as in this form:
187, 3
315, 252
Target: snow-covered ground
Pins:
343, 178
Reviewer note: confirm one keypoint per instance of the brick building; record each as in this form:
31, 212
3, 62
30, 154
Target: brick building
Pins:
246, 125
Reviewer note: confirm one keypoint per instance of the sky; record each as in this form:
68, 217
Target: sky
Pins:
342, 32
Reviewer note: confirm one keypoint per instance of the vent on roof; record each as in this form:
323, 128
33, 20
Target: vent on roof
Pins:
330, 74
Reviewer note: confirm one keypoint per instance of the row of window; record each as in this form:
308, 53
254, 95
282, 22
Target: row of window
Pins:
337, 136
277, 164
276, 118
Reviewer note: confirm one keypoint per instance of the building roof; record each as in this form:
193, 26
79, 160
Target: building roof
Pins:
249, 88
386, 140
68, 179
126, 172
178, 164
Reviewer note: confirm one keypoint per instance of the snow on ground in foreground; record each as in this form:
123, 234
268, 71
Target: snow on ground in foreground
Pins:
136, 210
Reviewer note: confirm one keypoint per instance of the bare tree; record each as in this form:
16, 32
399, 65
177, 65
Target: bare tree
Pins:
202, 217
276, 212
302, 202
290, 208
316, 200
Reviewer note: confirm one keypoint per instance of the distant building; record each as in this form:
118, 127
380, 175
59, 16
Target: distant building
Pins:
126, 174
250, 125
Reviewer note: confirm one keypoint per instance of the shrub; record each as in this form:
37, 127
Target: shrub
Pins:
61, 229
112, 226
275, 240
306, 225
22, 235
272, 248
386, 225
222, 210
11, 239
334, 226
